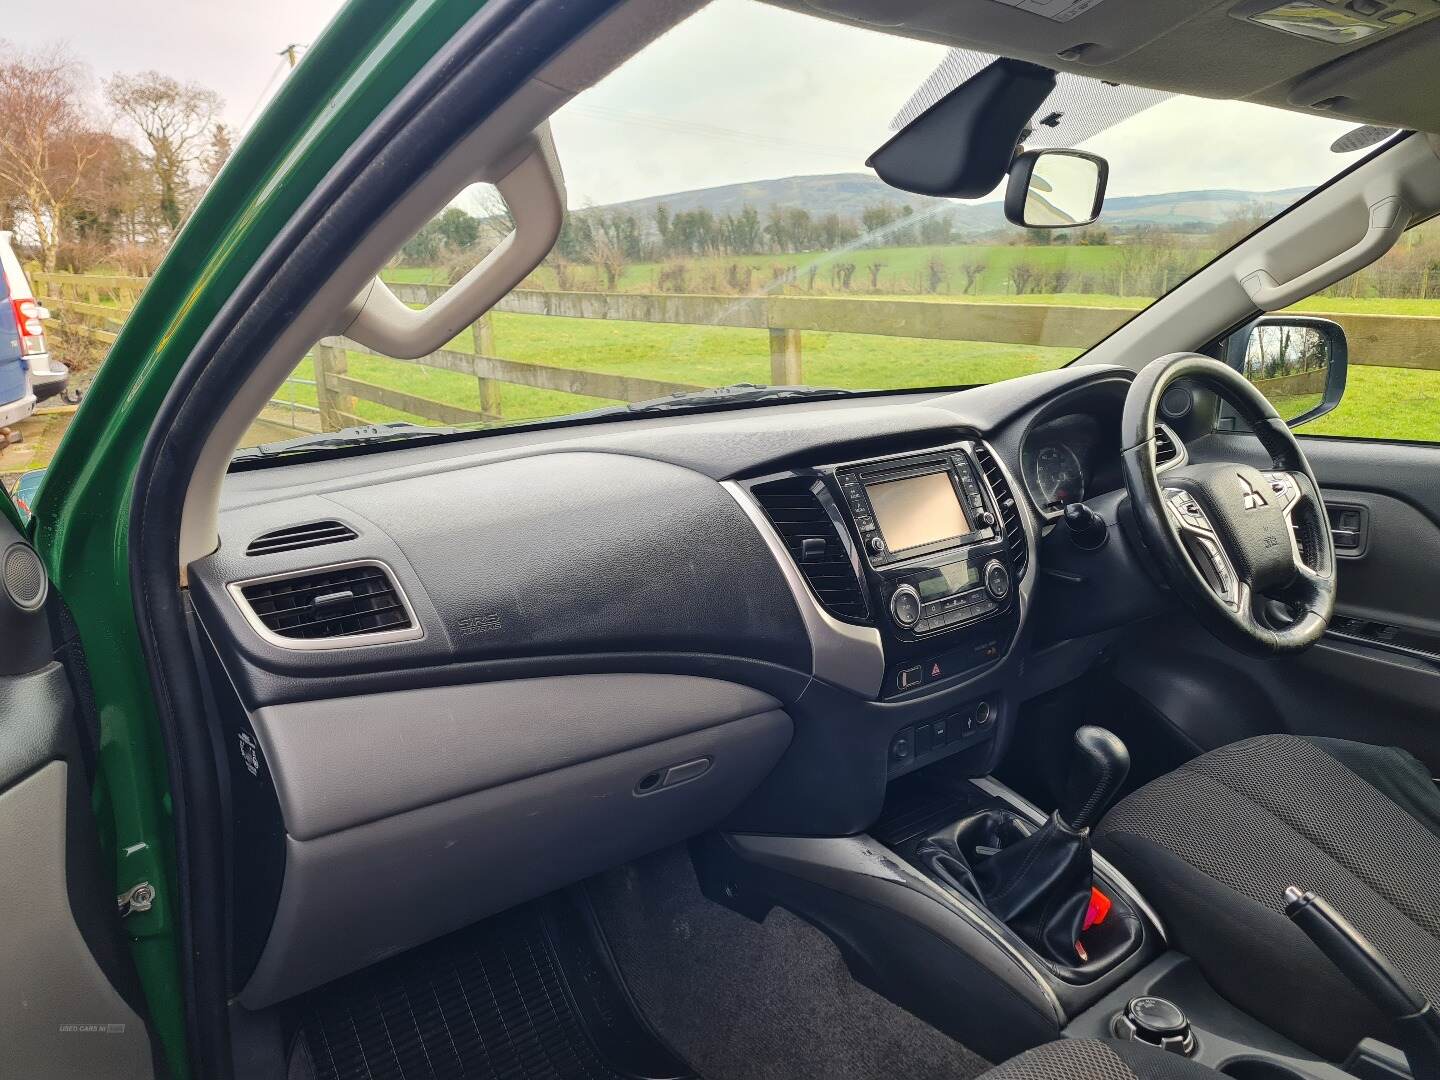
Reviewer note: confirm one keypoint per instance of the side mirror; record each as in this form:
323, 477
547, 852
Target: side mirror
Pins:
1055, 189
1297, 361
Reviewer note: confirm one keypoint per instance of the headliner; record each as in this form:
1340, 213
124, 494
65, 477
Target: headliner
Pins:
1195, 47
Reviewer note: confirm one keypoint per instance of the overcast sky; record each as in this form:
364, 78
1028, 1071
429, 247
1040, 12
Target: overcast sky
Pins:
231, 48
742, 91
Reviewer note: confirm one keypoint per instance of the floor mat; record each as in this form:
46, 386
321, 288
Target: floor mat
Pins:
741, 1001
527, 995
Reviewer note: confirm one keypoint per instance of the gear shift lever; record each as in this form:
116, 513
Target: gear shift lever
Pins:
1098, 766
1040, 885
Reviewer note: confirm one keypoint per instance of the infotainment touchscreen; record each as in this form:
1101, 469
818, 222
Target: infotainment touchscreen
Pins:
918, 510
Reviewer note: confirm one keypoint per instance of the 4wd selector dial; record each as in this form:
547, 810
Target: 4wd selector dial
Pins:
997, 579
905, 606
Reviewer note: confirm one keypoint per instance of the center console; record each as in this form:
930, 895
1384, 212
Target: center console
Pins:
927, 548
903, 902
937, 561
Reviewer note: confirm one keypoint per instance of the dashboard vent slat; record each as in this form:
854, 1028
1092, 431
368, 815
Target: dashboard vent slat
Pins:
1009, 512
798, 515
1165, 449
295, 537
338, 602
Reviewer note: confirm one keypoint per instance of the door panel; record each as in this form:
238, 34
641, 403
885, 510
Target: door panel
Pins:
64, 963
1359, 682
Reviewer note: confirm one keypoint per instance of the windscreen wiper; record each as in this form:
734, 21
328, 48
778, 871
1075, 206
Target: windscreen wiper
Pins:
734, 394
369, 434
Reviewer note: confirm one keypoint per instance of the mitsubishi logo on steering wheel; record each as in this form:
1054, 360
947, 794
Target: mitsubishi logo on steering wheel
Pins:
1252, 498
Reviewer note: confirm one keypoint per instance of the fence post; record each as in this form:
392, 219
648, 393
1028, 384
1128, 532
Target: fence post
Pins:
335, 408
484, 332
785, 367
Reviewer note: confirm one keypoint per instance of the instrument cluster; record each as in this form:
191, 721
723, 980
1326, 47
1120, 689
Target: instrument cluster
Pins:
1062, 462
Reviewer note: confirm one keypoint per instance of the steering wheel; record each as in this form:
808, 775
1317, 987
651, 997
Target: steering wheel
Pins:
1227, 536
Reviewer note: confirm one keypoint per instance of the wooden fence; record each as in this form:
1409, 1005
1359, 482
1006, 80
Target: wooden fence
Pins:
95, 306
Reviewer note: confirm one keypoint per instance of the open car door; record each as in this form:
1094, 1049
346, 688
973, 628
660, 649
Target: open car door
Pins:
67, 984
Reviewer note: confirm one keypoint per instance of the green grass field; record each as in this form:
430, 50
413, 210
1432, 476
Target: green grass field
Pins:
1379, 403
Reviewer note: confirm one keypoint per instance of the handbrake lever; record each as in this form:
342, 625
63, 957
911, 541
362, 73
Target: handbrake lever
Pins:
1416, 1023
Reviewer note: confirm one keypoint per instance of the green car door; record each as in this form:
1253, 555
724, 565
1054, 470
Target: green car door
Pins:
78, 729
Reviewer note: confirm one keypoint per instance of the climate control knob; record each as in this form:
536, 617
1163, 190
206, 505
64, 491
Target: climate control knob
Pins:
905, 606
997, 579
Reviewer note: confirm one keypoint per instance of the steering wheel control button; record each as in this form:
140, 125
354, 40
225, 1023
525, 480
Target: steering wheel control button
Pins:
905, 607
1218, 566
1283, 485
1187, 509
997, 579
1157, 1021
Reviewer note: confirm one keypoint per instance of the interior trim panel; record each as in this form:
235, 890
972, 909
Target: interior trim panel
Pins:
845, 654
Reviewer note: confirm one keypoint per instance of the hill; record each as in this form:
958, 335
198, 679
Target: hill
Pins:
848, 194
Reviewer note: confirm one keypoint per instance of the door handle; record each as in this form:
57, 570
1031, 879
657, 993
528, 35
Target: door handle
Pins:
1350, 528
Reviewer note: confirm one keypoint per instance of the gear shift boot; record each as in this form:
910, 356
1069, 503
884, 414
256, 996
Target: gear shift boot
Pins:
1038, 881
956, 857
1040, 888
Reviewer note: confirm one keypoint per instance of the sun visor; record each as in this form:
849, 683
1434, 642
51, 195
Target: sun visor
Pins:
1077, 109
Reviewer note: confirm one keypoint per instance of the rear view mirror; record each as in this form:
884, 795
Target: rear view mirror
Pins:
1297, 361
1055, 189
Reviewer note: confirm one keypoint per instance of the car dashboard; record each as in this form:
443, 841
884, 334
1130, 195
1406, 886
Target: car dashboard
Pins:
431, 663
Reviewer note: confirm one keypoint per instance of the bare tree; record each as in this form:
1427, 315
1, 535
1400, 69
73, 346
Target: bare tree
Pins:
609, 257
175, 119
47, 144
496, 220
217, 152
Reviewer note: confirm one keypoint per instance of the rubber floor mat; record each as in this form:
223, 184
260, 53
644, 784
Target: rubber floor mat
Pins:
526, 995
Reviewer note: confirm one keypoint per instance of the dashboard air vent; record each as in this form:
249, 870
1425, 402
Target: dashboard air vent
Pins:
1009, 512
815, 546
1167, 448
355, 601
294, 537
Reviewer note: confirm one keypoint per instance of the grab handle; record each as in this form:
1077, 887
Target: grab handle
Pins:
1388, 219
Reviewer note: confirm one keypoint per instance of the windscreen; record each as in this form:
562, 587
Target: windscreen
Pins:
918, 510
724, 229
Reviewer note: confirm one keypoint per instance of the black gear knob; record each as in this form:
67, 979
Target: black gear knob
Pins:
1098, 767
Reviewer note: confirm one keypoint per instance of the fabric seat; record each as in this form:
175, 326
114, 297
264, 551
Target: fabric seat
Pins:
1213, 845
1097, 1059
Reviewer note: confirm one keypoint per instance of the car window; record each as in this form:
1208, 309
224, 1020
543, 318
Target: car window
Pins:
1390, 312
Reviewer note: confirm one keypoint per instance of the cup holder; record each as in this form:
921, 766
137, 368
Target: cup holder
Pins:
1260, 1069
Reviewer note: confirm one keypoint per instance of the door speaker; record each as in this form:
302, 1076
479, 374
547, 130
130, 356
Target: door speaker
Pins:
24, 576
